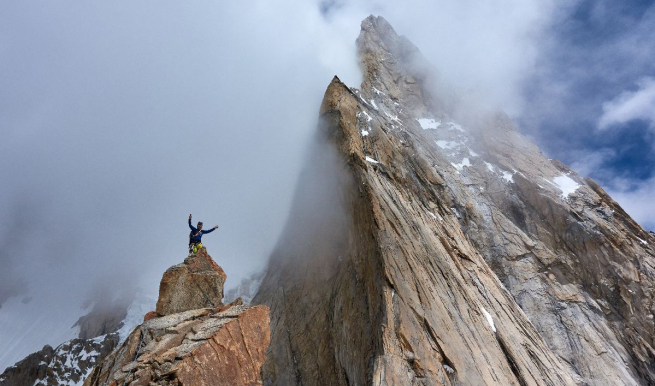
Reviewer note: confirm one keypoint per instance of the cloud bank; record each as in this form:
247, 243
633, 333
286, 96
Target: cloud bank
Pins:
120, 118
631, 105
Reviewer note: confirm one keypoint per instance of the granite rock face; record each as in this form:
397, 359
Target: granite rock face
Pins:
204, 347
453, 252
195, 283
192, 338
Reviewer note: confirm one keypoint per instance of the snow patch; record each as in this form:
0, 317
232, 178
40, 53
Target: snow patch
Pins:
460, 166
472, 153
448, 369
507, 176
432, 124
490, 320
455, 126
374, 105
371, 160
434, 216
490, 167
392, 117
428, 123
139, 307
566, 185
364, 133
642, 241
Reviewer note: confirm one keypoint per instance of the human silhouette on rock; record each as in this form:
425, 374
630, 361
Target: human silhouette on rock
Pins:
195, 237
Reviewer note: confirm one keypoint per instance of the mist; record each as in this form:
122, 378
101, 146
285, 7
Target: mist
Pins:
118, 119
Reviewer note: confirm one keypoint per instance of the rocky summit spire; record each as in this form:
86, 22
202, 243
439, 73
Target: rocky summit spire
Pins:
192, 339
464, 256
195, 283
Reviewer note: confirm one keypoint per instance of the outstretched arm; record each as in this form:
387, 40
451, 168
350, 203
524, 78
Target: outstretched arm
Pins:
191, 226
211, 230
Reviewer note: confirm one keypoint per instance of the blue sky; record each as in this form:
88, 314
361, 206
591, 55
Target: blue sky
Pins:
591, 104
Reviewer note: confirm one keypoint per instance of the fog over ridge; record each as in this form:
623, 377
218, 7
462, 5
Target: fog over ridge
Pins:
119, 119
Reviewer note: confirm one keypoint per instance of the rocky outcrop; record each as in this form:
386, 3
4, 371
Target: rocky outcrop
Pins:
69, 363
104, 318
203, 347
198, 340
100, 331
195, 283
29, 370
453, 252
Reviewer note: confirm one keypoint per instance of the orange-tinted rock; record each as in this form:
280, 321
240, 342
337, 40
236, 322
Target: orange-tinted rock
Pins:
197, 347
150, 315
196, 283
234, 356
237, 302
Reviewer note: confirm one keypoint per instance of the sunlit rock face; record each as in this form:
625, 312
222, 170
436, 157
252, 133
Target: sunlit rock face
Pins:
192, 338
454, 252
205, 347
196, 283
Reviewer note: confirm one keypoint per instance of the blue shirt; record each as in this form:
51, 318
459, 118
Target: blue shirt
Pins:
195, 235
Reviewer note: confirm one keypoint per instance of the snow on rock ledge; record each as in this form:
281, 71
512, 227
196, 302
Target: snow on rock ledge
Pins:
566, 185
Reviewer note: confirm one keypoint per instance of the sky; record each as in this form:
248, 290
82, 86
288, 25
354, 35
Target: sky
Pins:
118, 119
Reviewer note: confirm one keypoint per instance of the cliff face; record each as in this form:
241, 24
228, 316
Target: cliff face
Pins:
453, 252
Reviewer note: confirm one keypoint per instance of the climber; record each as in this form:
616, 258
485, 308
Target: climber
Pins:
196, 235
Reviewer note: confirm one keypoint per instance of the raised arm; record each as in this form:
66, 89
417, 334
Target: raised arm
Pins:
211, 230
191, 226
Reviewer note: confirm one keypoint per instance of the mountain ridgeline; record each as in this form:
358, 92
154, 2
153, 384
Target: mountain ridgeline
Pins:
429, 243
454, 252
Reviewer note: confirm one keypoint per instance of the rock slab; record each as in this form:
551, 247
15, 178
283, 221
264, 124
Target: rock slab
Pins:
196, 283
204, 347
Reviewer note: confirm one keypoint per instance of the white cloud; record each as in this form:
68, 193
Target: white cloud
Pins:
588, 162
638, 203
631, 105
488, 49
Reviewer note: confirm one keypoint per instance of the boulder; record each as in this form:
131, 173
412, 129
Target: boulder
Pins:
196, 283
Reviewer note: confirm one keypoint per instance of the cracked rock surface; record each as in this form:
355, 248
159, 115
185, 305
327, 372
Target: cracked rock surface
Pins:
197, 347
453, 251
195, 283
197, 342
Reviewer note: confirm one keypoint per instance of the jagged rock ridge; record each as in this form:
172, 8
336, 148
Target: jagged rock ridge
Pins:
192, 339
205, 347
67, 364
465, 256
100, 331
